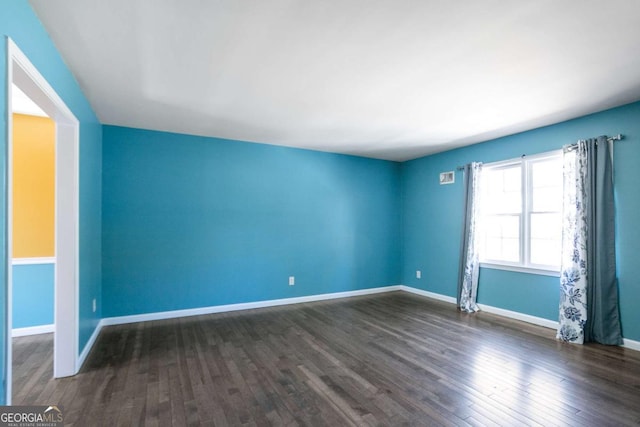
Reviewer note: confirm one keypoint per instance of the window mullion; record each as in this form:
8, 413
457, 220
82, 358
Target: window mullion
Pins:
526, 220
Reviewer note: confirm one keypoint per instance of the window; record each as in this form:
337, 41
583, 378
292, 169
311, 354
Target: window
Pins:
522, 213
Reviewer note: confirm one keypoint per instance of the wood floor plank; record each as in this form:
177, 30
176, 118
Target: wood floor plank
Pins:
389, 359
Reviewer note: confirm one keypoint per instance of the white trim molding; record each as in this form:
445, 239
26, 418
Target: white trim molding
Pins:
241, 306
631, 344
26, 77
540, 321
520, 269
33, 261
428, 294
147, 317
89, 345
487, 308
32, 330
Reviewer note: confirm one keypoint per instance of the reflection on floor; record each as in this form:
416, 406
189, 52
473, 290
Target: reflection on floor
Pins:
388, 359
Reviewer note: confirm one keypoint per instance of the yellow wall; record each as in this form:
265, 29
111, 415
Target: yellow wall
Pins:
33, 186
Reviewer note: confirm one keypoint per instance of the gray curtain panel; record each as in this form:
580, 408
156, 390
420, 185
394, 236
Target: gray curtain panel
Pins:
469, 259
588, 284
603, 315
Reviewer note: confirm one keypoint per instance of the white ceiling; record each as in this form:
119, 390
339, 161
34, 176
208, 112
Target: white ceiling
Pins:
22, 104
392, 79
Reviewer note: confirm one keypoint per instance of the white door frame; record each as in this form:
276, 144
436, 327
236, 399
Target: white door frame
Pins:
24, 75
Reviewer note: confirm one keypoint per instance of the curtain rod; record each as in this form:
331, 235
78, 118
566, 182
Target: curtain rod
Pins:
617, 137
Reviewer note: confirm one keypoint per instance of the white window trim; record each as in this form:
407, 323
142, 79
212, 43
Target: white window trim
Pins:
520, 269
525, 266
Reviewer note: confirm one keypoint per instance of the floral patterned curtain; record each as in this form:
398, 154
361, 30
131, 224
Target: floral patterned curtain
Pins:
589, 306
469, 258
573, 271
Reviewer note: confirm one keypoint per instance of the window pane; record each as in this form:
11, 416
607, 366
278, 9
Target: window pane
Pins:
546, 185
502, 238
546, 239
547, 199
502, 188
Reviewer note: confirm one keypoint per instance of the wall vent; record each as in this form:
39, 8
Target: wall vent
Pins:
447, 177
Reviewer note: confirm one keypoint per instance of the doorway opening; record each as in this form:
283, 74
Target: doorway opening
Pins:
23, 74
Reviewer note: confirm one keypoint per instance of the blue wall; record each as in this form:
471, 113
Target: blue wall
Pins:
18, 21
191, 222
432, 217
33, 295
194, 222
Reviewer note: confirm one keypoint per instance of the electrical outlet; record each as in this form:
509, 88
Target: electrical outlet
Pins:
94, 305
292, 280
418, 274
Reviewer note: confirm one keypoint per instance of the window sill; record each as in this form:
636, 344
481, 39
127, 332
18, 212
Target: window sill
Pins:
520, 269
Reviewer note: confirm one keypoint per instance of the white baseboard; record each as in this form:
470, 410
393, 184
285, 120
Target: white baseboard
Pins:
540, 321
487, 308
217, 309
242, 306
88, 346
119, 320
631, 344
428, 294
32, 330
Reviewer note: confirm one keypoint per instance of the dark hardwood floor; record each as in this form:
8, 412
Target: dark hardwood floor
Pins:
388, 359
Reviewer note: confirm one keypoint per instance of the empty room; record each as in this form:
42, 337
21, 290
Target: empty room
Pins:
320, 213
